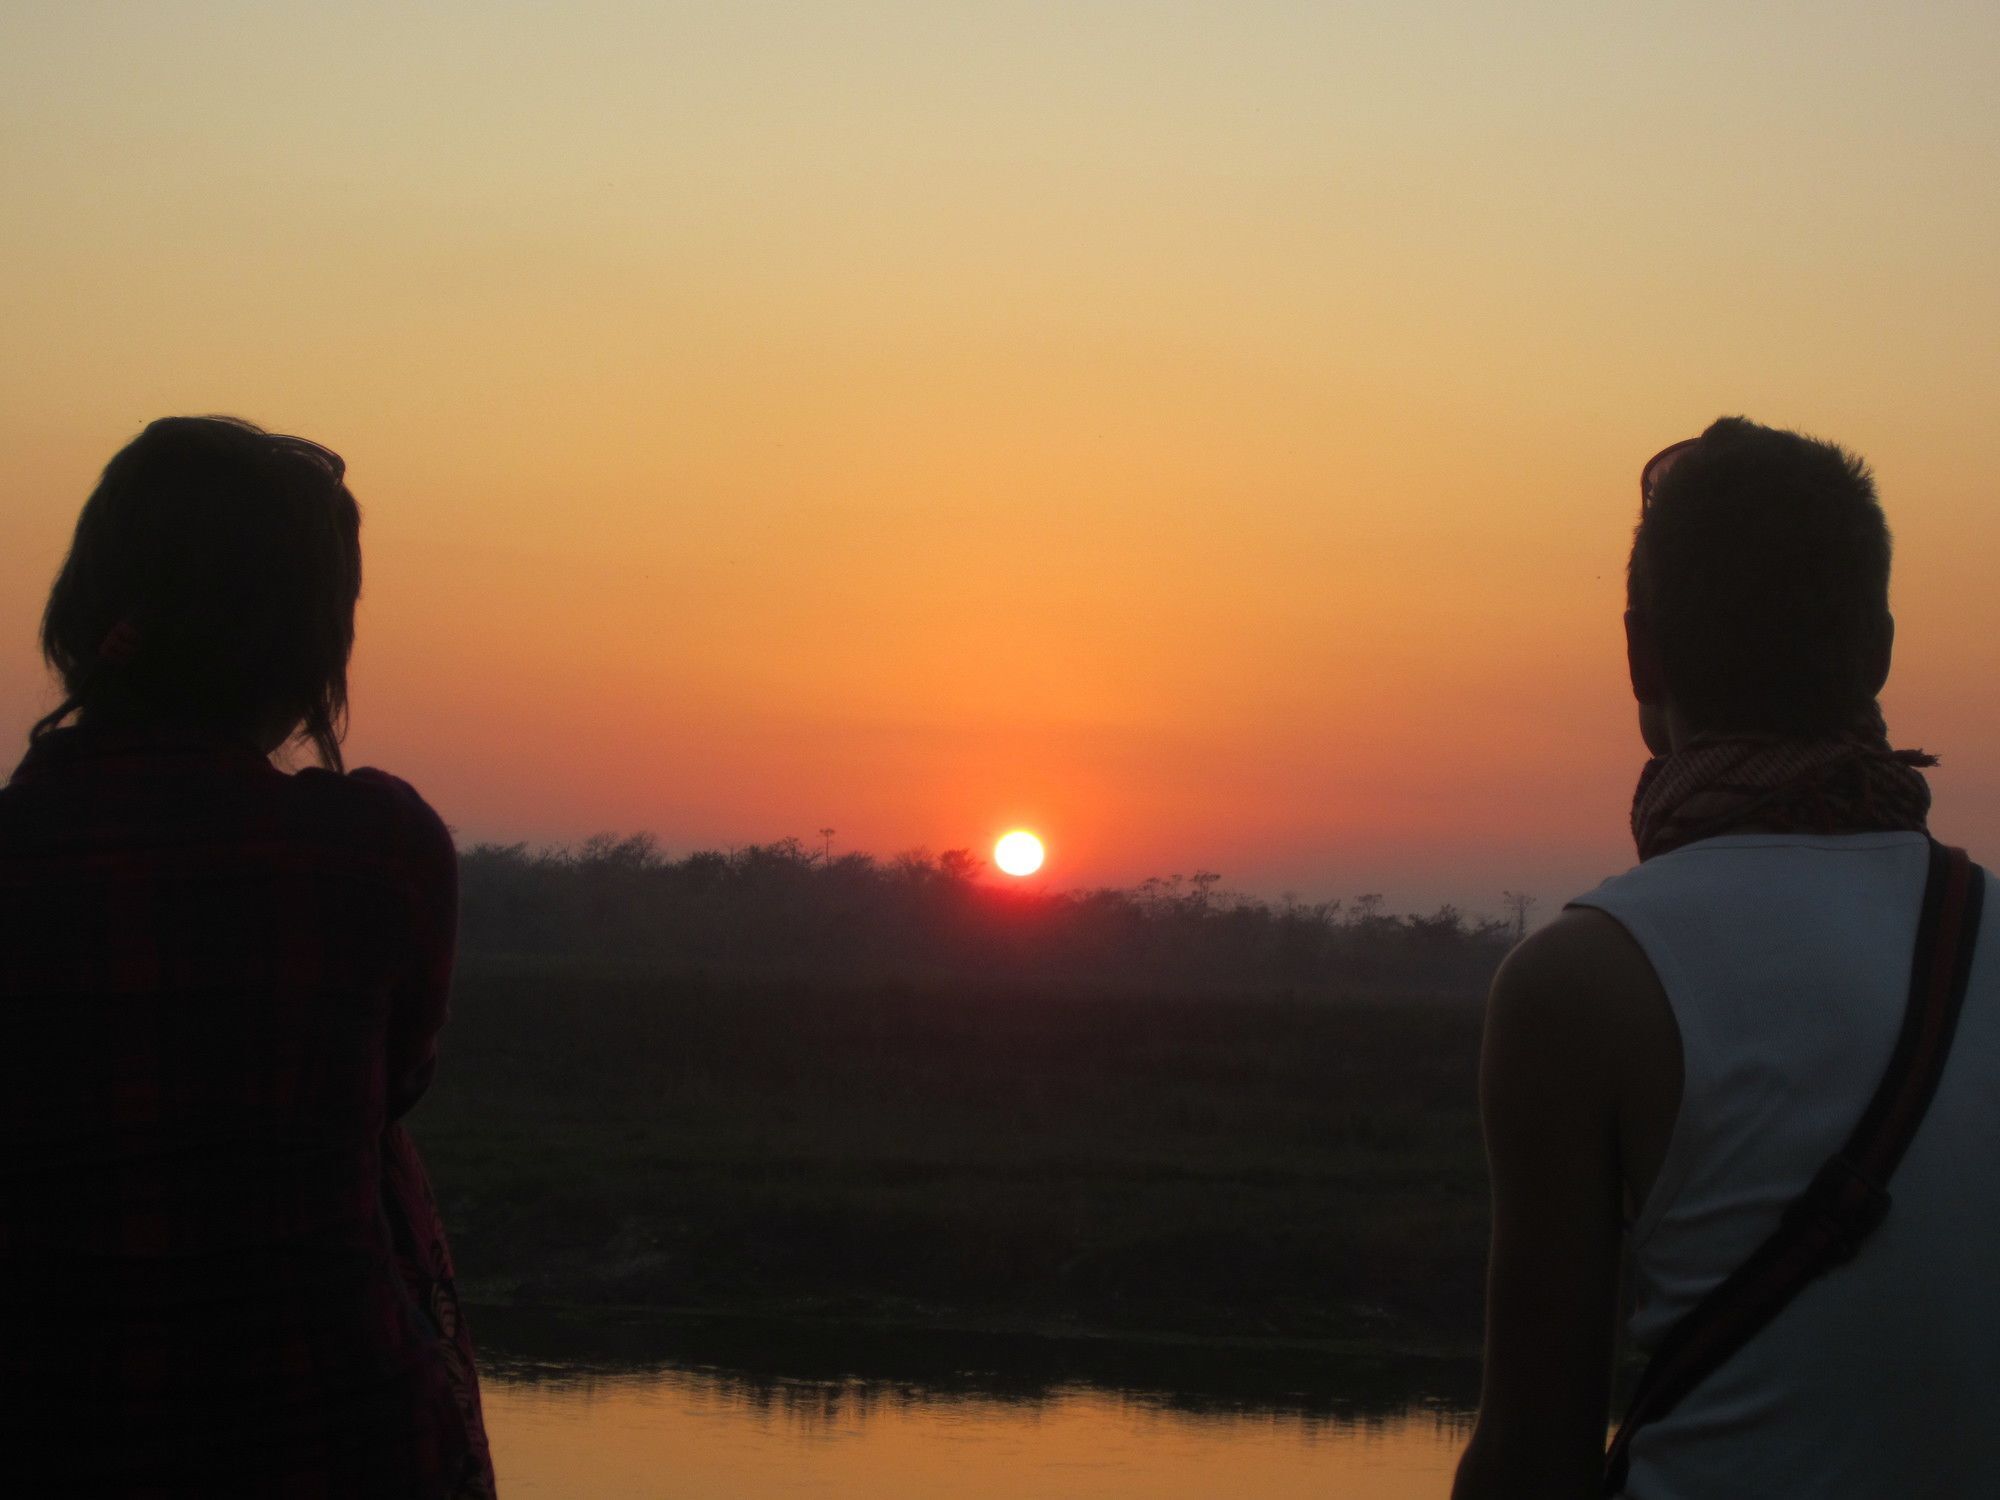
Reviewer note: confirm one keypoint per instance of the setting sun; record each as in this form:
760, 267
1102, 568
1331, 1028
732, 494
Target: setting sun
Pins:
1018, 853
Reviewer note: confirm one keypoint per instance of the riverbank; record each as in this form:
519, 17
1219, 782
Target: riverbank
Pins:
1282, 1169
1193, 1374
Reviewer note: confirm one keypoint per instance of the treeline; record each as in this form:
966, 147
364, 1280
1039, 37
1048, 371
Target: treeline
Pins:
786, 908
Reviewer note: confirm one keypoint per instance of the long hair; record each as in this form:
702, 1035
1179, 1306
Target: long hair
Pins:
212, 581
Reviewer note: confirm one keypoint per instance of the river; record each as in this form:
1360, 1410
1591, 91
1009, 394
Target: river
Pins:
645, 1411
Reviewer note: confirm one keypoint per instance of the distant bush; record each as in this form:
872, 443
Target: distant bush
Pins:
785, 908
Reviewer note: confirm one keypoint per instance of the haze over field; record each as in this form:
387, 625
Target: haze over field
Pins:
1204, 434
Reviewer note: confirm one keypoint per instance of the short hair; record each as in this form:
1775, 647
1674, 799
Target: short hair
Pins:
212, 580
1761, 569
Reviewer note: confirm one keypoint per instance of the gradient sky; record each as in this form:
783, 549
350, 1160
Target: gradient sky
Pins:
1204, 433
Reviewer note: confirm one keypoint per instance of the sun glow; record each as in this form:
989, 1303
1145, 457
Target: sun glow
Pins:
1018, 853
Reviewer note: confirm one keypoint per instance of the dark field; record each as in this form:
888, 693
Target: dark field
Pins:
1016, 1157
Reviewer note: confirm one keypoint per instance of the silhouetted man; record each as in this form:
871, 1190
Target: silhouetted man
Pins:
1668, 1065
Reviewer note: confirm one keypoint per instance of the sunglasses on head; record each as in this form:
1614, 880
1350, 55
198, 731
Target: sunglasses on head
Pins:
1657, 466
325, 458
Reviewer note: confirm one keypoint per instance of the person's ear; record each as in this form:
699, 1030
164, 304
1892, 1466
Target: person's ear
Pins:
1642, 662
1885, 650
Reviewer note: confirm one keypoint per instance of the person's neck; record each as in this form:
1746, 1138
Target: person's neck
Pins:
1678, 733
172, 729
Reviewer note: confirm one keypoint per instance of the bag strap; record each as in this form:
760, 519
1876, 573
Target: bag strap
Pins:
1849, 1196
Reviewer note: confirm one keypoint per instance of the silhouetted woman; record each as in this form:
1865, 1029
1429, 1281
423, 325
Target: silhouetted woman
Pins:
221, 1270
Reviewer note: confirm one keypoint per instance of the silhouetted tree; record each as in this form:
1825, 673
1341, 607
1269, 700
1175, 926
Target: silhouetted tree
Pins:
782, 906
960, 865
1519, 904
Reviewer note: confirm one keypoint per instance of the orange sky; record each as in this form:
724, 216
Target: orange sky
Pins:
1204, 433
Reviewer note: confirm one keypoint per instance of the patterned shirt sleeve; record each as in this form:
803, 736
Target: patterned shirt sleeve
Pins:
421, 1002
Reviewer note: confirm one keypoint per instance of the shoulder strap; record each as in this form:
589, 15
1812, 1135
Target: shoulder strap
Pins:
1849, 1197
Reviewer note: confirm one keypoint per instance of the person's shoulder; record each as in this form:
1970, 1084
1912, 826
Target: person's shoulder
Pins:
1582, 943
24, 820
1583, 977
383, 809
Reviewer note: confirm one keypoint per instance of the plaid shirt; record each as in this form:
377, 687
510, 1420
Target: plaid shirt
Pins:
220, 987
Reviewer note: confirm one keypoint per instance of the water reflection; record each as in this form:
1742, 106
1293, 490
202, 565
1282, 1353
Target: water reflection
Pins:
578, 1411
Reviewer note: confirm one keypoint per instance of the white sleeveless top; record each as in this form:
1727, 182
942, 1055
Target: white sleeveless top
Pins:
1786, 960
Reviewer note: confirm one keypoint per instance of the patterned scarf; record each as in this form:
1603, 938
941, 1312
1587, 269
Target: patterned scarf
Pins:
1735, 783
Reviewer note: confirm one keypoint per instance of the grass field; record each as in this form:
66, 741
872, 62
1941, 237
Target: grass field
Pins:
1212, 1166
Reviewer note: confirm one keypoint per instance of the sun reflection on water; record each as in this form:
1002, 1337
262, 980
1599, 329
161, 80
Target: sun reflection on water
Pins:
692, 1432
